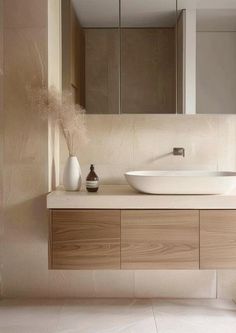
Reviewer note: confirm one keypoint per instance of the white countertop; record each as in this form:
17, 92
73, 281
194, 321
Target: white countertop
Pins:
123, 197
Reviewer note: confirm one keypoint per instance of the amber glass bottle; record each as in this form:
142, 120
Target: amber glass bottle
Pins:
92, 180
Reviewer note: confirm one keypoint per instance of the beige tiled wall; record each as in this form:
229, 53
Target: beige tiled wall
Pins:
117, 144
127, 142
24, 241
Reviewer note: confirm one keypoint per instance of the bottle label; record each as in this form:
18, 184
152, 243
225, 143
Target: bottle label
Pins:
91, 183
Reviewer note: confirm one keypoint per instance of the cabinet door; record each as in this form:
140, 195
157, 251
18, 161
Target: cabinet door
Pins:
217, 239
85, 239
160, 239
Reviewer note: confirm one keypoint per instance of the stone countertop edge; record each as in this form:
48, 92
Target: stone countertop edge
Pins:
124, 197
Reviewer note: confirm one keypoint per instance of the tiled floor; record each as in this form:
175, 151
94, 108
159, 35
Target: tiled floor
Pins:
117, 316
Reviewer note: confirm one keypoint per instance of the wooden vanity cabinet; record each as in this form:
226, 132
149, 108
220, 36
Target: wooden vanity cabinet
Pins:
218, 239
142, 239
84, 239
160, 239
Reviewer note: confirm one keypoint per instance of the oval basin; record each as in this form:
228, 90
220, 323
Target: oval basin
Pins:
182, 182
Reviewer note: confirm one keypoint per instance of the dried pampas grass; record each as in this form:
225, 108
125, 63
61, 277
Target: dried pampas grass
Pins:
61, 109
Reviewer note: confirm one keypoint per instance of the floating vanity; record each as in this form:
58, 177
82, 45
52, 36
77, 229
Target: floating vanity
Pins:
118, 228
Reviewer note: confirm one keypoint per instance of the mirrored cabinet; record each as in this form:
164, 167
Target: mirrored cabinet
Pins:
119, 56
150, 57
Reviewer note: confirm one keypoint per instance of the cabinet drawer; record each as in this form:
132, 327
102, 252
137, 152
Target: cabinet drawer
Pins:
85, 239
218, 239
160, 239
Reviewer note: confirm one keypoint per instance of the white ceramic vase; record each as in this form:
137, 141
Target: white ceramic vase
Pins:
72, 179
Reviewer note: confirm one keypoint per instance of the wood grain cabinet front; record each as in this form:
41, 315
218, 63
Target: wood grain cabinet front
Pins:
218, 239
84, 239
142, 239
160, 239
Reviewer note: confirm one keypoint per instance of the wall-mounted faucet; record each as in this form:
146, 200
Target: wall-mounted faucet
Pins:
178, 151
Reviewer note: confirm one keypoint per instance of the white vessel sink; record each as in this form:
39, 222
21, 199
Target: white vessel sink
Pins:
181, 182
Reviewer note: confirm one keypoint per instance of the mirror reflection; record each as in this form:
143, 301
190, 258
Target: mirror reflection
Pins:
216, 61
206, 56
120, 56
90, 48
148, 56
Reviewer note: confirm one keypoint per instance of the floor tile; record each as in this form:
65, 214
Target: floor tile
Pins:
117, 316
175, 284
107, 316
195, 316
29, 316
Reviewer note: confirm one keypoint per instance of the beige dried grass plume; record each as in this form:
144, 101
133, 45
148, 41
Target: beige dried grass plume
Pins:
61, 109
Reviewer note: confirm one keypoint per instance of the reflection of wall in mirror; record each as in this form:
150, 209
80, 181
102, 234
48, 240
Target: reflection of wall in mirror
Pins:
148, 74
216, 61
216, 72
142, 80
102, 70
73, 53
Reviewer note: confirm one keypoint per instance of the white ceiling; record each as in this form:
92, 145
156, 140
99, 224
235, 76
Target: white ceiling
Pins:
148, 13
135, 13
211, 14
97, 13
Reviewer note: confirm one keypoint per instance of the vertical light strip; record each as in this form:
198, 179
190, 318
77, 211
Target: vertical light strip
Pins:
120, 53
190, 61
176, 57
54, 80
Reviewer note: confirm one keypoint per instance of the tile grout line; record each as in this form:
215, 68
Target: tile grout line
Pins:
154, 317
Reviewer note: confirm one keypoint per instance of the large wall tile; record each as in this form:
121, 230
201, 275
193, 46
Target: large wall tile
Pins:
155, 137
24, 269
114, 283
226, 284
110, 148
25, 132
24, 242
70, 284
179, 284
120, 143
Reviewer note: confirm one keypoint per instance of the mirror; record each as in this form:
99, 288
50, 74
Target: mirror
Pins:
207, 40
119, 56
90, 53
148, 56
